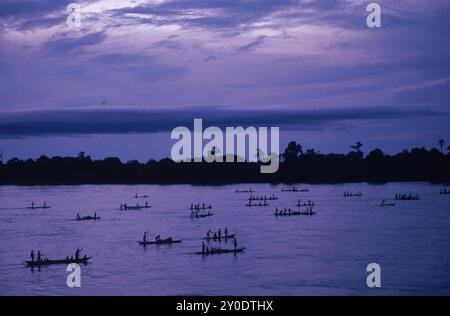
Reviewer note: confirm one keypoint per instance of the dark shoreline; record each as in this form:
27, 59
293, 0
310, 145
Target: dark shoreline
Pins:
417, 165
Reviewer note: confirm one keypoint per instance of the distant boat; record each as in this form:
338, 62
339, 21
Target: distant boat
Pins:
383, 203
309, 203
35, 207
218, 251
198, 207
198, 215
263, 198
145, 196
308, 212
87, 218
294, 189
221, 237
444, 192
352, 194
167, 241
126, 207
244, 191
250, 204
408, 197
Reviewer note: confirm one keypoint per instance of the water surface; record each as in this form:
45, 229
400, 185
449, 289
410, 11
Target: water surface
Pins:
321, 255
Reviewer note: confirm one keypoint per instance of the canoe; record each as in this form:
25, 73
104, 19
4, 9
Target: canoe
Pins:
388, 204
221, 237
221, 251
161, 242
200, 208
252, 205
202, 215
296, 214
87, 218
37, 207
47, 262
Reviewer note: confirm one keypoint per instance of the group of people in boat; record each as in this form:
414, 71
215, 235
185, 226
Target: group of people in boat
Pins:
352, 193
289, 212
250, 203
80, 218
309, 203
145, 196
407, 197
444, 191
212, 250
199, 206
217, 235
125, 207
33, 206
39, 257
244, 191
157, 238
262, 198
294, 189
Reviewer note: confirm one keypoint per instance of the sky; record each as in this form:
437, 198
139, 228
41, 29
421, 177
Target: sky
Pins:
135, 69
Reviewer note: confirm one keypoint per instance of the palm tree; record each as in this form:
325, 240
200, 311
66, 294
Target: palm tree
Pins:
357, 147
441, 143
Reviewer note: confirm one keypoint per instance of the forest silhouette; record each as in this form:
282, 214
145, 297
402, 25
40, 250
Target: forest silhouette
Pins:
296, 166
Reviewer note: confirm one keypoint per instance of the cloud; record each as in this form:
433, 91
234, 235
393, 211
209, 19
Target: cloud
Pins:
119, 121
66, 45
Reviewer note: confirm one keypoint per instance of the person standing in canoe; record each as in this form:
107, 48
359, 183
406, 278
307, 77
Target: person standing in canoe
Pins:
144, 238
39, 256
77, 254
235, 243
203, 248
158, 238
219, 234
32, 255
226, 231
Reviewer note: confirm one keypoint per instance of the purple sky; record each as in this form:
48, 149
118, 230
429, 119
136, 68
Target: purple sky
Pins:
136, 69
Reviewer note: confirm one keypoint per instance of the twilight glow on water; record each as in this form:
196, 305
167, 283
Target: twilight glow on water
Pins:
324, 254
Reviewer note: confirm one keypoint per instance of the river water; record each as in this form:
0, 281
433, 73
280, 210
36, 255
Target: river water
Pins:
324, 254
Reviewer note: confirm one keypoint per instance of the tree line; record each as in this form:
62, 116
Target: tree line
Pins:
296, 166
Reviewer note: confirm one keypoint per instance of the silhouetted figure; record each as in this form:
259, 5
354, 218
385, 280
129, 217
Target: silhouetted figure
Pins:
226, 231
235, 243
32, 256
39, 256
144, 238
158, 238
219, 234
77, 254
203, 247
